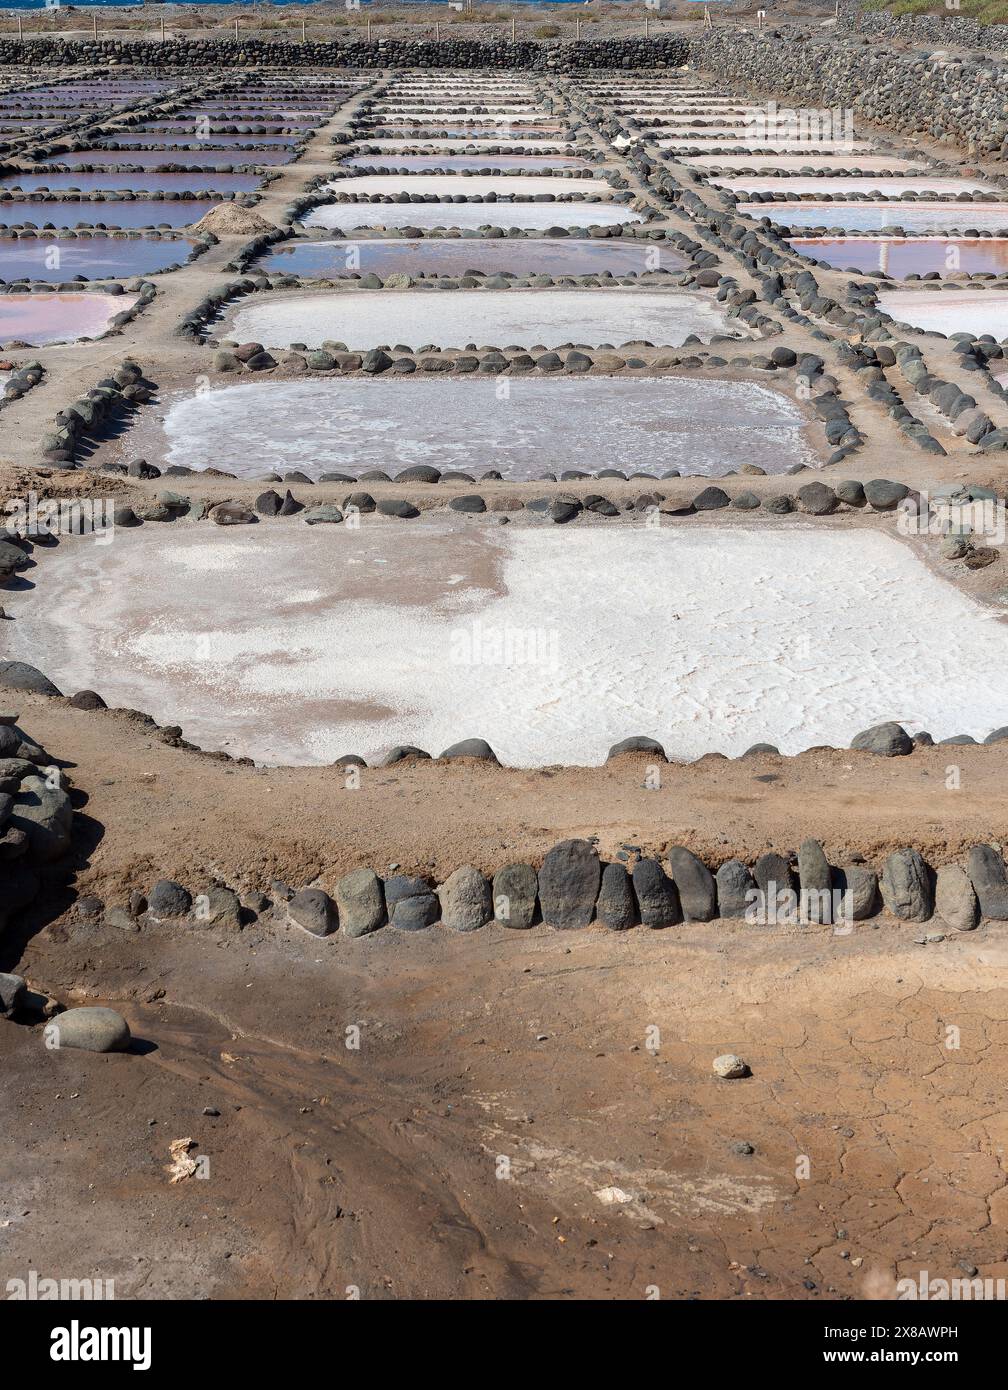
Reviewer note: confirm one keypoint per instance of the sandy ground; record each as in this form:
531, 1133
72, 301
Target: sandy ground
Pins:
524, 1118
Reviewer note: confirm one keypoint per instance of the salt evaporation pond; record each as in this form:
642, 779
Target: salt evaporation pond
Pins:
316, 427
810, 158
372, 318
872, 217
950, 311
169, 144
297, 644
98, 257
196, 180
145, 212
911, 256
887, 187
44, 319
530, 217
468, 186
470, 161
204, 157
554, 256
460, 145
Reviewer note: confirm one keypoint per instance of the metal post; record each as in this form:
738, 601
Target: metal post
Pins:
646, 25
369, 31
236, 28
437, 30
304, 35
94, 25
514, 35
577, 18
20, 31
162, 29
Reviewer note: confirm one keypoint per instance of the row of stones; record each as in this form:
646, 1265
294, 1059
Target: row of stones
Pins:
781, 272
22, 379
36, 816
14, 193
870, 196
99, 409
380, 170
960, 102
946, 29
825, 232
814, 499
489, 360
196, 55
574, 888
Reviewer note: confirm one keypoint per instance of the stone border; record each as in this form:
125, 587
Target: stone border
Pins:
573, 889
87, 418
526, 56
22, 380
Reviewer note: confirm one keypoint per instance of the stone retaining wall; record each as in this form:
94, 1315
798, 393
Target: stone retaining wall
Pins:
959, 102
573, 889
450, 52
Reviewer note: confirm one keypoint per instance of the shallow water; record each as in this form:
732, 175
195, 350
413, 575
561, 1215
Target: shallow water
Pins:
869, 217
707, 428
950, 311
455, 255
914, 256
143, 213
298, 644
887, 187
54, 259
739, 137
135, 183
460, 161
186, 140
369, 318
809, 158
527, 216
202, 157
452, 185
57, 318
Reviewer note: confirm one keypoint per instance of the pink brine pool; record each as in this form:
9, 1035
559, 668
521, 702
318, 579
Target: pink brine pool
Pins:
44, 319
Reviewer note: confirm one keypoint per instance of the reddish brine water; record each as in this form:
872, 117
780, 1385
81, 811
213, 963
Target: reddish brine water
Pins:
899, 257
145, 212
135, 183
561, 256
189, 140
202, 157
460, 162
57, 318
55, 259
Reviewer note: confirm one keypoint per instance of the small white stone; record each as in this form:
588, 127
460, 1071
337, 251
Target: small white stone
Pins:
730, 1067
